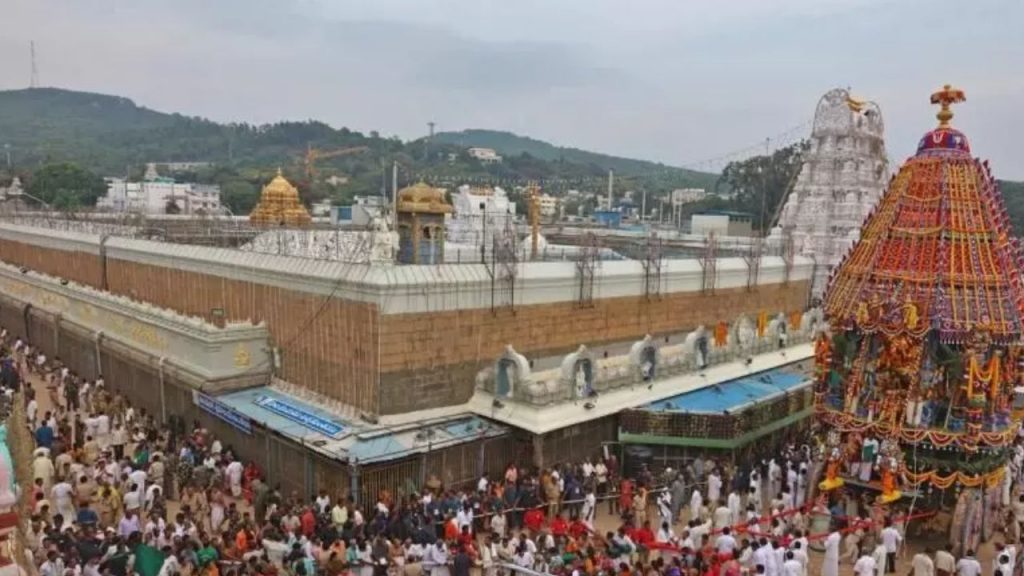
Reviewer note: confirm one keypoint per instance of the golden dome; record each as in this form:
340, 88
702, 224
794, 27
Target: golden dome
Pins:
422, 197
279, 204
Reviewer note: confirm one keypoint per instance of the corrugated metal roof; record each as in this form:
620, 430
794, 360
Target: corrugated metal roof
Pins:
357, 441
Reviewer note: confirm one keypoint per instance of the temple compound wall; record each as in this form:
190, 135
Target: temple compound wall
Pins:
393, 339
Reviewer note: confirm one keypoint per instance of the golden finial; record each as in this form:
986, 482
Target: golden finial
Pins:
948, 95
279, 171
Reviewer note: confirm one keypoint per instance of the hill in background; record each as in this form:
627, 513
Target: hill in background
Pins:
112, 136
510, 144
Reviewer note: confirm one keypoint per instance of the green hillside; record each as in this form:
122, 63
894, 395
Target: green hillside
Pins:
509, 144
112, 136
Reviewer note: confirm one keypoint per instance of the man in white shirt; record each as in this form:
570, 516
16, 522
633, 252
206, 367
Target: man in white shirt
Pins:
726, 542
865, 566
665, 534
735, 505
234, 472
138, 477
464, 518
589, 508
881, 555
891, 539
722, 516
588, 469
664, 503
945, 563
761, 553
830, 564
1005, 559
132, 500
696, 501
714, 487
483, 483
31, 410
968, 565
792, 566
60, 495
922, 564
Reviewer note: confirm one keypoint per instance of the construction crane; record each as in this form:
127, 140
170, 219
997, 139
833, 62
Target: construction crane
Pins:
314, 154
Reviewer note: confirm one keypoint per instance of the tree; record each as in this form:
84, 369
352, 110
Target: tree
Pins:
66, 186
238, 195
172, 207
761, 183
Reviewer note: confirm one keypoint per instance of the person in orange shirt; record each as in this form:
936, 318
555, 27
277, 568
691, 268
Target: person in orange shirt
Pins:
451, 529
242, 541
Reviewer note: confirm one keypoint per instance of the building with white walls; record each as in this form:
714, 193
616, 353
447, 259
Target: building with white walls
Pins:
155, 197
485, 155
548, 205
479, 214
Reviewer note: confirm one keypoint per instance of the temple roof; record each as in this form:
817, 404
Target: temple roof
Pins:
939, 240
280, 205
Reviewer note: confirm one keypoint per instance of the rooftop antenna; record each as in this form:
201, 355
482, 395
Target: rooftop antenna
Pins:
34, 80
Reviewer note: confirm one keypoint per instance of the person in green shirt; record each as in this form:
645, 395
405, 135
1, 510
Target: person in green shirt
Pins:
148, 560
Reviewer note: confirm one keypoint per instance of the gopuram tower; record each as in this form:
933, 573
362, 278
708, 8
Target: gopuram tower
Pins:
842, 177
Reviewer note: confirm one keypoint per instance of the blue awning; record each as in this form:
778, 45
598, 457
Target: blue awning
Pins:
733, 394
350, 439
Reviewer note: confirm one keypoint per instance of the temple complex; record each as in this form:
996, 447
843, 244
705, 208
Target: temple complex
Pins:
279, 205
922, 359
843, 174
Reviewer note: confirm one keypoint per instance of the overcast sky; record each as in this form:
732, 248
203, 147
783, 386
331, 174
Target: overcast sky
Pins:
672, 80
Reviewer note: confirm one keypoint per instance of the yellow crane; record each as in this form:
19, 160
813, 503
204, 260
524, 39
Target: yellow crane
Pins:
314, 154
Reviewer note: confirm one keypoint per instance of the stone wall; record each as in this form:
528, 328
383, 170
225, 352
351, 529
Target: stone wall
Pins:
396, 339
429, 360
79, 266
328, 345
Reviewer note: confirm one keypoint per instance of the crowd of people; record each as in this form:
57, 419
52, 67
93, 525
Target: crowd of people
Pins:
116, 494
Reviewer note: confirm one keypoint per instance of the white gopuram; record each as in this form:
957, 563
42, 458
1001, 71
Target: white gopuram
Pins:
843, 176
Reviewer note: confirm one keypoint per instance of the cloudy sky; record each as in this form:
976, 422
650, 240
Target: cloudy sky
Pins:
678, 81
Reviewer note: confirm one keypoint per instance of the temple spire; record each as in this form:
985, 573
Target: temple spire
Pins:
948, 95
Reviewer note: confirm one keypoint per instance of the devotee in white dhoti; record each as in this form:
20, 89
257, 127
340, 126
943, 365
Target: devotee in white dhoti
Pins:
830, 564
735, 504
714, 488
696, 500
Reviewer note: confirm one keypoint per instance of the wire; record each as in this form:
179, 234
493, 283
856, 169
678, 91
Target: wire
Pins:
786, 136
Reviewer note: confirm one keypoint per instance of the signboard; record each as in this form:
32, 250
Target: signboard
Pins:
219, 410
300, 416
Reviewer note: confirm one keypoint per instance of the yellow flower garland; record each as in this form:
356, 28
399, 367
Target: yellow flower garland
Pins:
943, 482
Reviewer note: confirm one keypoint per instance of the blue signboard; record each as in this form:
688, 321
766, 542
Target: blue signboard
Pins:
226, 413
300, 416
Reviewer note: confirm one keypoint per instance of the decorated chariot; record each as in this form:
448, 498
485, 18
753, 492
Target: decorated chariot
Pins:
918, 371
